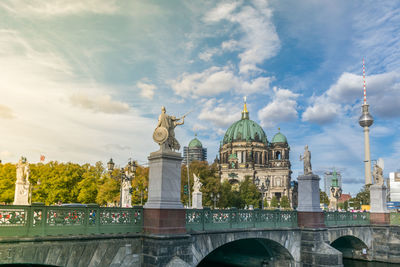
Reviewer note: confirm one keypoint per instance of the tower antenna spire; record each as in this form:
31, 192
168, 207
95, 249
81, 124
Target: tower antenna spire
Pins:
365, 90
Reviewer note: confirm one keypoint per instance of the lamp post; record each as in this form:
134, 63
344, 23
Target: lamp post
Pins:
141, 194
263, 188
126, 175
215, 198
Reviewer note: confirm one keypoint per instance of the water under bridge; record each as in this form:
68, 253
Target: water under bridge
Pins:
99, 236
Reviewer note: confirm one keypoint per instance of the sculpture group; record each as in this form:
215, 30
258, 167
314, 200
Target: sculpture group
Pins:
164, 134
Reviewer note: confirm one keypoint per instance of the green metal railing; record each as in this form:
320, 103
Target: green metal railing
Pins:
336, 218
394, 218
206, 219
41, 220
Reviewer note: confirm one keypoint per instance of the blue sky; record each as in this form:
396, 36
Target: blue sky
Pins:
84, 81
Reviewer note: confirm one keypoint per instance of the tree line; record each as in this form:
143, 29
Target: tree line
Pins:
56, 182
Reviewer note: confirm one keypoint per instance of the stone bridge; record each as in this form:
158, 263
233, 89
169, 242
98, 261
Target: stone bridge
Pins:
95, 236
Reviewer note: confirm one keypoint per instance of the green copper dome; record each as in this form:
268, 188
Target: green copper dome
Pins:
245, 130
279, 138
195, 143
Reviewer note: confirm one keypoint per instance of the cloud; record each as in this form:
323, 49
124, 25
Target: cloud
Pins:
383, 95
212, 81
147, 90
259, 40
47, 9
221, 114
282, 108
6, 112
208, 54
102, 103
217, 80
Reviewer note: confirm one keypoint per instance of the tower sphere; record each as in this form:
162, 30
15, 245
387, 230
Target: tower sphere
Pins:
366, 118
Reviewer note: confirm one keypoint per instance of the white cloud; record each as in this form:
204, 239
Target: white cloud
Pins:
6, 112
99, 103
259, 41
212, 81
221, 114
217, 80
282, 108
383, 94
230, 45
46, 9
208, 54
147, 90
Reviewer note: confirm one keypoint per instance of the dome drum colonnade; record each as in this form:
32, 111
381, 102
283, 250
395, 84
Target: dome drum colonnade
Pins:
245, 151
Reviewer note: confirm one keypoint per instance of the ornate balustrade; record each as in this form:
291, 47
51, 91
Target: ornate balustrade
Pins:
206, 219
395, 218
40, 220
336, 218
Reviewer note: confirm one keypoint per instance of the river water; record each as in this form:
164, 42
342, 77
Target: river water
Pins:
358, 263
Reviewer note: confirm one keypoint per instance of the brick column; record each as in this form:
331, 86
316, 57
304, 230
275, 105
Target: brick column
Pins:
379, 213
164, 212
309, 213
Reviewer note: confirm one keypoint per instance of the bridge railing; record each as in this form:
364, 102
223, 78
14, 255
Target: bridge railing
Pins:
207, 219
395, 218
41, 220
335, 218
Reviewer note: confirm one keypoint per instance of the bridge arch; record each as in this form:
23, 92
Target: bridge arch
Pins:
268, 245
249, 252
353, 242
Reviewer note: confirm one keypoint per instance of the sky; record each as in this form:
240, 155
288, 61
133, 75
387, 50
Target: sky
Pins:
83, 81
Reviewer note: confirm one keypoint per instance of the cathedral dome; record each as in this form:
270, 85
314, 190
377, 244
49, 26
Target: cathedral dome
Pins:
279, 138
245, 130
195, 143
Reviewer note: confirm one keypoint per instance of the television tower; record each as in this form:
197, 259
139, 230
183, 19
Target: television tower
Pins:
365, 121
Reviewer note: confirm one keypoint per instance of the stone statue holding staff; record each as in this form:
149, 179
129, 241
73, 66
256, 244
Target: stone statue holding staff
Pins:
164, 134
306, 158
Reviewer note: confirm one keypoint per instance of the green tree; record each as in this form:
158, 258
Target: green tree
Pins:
88, 186
266, 205
140, 185
363, 196
249, 193
274, 202
285, 202
7, 183
109, 188
323, 198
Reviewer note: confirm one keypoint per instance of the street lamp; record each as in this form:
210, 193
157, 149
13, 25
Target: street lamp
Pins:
141, 194
215, 198
126, 174
263, 188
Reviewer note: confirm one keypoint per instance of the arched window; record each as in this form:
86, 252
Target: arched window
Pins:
277, 155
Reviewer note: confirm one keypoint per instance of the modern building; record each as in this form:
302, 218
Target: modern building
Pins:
246, 152
394, 186
194, 151
328, 176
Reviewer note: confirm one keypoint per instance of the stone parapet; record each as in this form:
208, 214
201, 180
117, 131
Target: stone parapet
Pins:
310, 219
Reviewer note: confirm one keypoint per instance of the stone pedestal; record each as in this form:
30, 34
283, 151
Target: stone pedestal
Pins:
21, 196
379, 213
197, 200
163, 213
309, 210
126, 198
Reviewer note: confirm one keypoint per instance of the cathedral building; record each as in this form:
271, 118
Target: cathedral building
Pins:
246, 151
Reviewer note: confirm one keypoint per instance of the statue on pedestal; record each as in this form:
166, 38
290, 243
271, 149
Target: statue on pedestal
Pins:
306, 158
21, 196
197, 196
164, 134
197, 184
378, 172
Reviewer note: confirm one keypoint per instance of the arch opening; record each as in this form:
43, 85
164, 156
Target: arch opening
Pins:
351, 247
249, 252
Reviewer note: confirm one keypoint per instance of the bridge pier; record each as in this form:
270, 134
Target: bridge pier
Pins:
316, 251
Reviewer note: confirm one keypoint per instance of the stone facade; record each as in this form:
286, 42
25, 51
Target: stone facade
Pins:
246, 152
